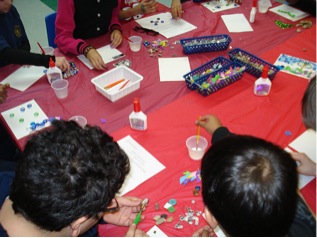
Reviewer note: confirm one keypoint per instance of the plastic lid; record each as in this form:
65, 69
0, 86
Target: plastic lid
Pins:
254, 3
136, 105
265, 71
51, 63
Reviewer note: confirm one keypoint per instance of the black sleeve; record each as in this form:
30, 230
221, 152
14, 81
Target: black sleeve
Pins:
14, 56
220, 133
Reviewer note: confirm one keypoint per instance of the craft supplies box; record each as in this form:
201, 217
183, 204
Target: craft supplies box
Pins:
204, 70
252, 63
205, 91
112, 76
205, 44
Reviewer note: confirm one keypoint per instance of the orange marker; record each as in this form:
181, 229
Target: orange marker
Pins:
114, 84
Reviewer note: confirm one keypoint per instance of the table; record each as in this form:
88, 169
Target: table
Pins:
172, 108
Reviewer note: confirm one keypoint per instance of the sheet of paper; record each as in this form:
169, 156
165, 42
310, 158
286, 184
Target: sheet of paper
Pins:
143, 164
289, 12
236, 23
19, 118
218, 6
24, 77
302, 179
107, 53
305, 143
173, 69
155, 231
166, 25
296, 66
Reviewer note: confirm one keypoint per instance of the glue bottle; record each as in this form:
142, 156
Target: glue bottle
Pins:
53, 73
138, 120
253, 11
262, 85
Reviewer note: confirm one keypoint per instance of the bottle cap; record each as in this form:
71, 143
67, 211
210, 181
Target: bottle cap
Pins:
51, 63
265, 71
254, 3
136, 105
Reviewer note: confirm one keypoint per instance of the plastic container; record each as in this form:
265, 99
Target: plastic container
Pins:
53, 73
205, 44
120, 72
60, 88
262, 85
205, 69
138, 120
80, 120
254, 65
135, 43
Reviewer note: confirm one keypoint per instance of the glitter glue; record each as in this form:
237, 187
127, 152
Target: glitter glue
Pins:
53, 73
253, 11
262, 85
138, 120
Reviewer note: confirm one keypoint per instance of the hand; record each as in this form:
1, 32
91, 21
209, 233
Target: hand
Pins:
129, 208
96, 60
148, 6
116, 38
3, 92
176, 9
209, 122
235, 1
307, 166
62, 63
205, 231
133, 232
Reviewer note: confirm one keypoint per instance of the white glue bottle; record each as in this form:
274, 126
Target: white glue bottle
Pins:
253, 11
262, 85
53, 73
138, 120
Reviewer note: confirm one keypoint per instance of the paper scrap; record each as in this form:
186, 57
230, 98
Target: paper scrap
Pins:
289, 12
156, 232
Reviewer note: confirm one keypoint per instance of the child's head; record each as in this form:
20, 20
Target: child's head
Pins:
249, 187
309, 105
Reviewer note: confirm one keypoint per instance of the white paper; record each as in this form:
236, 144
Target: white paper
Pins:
305, 143
218, 6
107, 53
166, 25
14, 117
24, 77
155, 231
285, 11
302, 179
143, 164
236, 23
173, 69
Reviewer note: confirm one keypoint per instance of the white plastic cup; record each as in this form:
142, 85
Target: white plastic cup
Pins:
60, 88
48, 50
196, 151
82, 121
263, 6
135, 43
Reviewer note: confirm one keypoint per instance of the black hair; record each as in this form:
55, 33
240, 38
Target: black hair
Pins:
309, 105
250, 186
67, 172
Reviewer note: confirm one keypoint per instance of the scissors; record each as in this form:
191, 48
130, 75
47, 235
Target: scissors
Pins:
143, 204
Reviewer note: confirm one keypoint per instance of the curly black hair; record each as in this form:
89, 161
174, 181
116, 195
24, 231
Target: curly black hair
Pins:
67, 172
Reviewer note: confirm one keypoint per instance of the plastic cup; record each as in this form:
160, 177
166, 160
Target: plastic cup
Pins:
135, 43
48, 50
196, 151
263, 6
82, 121
60, 88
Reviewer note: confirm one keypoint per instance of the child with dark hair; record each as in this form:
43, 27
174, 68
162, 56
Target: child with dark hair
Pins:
65, 182
249, 186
